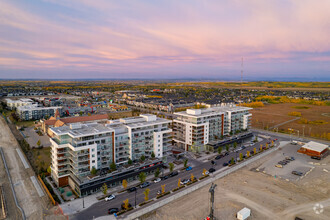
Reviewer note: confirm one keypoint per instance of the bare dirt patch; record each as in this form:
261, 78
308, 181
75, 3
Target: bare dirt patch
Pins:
267, 197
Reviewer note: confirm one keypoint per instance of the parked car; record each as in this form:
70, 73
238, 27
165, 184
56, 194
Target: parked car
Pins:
292, 158
159, 192
243, 147
144, 185
132, 189
174, 173
184, 181
113, 210
226, 154
188, 168
278, 166
157, 180
213, 162
123, 206
225, 164
218, 157
111, 197
297, 173
164, 177
316, 158
206, 172
211, 170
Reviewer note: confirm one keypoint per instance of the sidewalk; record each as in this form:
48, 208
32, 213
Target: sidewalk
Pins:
76, 205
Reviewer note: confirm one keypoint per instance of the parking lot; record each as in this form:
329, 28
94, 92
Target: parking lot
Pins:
300, 163
32, 138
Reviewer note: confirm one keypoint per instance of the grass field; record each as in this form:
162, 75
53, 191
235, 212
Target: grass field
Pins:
41, 158
274, 114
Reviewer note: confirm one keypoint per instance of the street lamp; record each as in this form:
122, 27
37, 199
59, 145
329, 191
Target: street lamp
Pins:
135, 196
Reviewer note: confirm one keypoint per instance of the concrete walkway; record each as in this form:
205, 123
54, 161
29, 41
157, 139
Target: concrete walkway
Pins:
283, 123
55, 190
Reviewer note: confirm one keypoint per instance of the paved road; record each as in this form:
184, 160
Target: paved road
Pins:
100, 208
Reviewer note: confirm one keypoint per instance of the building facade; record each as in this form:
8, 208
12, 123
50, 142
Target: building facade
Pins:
77, 148
198, 127
34, 112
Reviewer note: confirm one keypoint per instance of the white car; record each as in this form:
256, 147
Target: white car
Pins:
206, 173
111, 197
157, 180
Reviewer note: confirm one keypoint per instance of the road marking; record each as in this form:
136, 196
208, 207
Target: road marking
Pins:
20, 154
37, 186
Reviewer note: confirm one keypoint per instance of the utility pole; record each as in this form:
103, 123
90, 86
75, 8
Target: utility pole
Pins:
241, 78
211, 190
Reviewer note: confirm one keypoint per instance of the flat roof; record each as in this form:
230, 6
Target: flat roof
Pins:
84, 130
315, 146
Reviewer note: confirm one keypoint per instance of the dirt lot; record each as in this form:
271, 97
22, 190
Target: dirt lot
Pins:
27, 196
267, 197
275, 114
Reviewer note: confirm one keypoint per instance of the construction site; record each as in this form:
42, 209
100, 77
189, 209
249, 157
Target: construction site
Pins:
266, 195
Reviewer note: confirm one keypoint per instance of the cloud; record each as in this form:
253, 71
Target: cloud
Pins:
139, 37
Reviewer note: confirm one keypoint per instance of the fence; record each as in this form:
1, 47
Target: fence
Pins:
47, 191
199, 185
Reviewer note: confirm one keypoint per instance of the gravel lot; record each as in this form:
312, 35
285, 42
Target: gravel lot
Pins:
267, 197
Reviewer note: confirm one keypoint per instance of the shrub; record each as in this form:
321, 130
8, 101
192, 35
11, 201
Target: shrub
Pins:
296, 114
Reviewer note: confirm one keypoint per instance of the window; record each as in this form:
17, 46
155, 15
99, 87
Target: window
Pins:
158, 150
93, 150
93, 161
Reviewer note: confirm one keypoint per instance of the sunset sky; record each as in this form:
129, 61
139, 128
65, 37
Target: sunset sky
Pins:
70, 39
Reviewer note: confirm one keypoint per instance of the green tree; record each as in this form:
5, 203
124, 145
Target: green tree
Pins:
219, 150
130, 162
153, 155
157, 172
185, 162
240, 156
142, 177
143, 158
104, 189
171, 166
235, 145
38, 143
232, 161
93, 171
113, 166
49, 170
227, 147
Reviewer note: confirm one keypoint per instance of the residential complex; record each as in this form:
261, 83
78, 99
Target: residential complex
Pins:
34, 112
77, 148
197, 127
12, 104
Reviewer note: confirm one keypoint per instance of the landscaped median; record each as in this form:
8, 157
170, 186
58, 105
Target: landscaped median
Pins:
163, 194
124, 211
178, 188
203, 177
145, 202
191, 182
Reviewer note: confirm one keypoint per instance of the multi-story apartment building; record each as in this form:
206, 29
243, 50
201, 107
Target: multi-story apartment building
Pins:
12, 104
197, 127
34, 112
77, 148
146, 133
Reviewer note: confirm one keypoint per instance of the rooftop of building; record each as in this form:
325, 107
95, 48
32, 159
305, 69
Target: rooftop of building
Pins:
80, 130
77, 119
139, 121
36, 107
211, 111
315, 146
